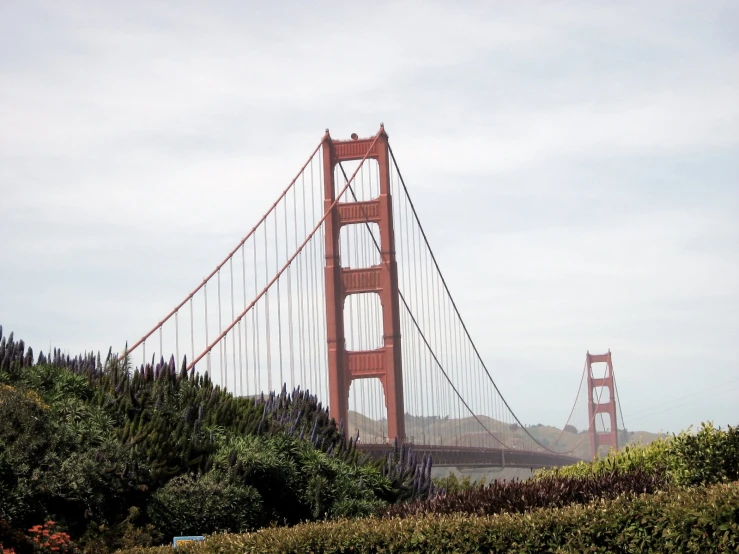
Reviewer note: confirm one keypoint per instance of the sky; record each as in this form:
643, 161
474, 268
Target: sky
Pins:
576, 165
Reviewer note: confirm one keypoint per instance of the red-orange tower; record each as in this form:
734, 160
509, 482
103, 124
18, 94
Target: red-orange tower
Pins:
597, 405
383, 363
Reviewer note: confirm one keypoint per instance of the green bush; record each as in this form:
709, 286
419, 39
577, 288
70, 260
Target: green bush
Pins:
453, 484
86, 443
710, 455
57, 463
190, 506
651, 458
704, 519
296, 482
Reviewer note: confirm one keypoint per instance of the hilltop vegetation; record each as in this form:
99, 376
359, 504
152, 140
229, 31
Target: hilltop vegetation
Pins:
120, 456
96, 455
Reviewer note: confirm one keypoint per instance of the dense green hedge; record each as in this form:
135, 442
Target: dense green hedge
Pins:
709, 455
703, 519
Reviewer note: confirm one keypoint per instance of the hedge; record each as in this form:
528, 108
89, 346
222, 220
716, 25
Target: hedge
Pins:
709, 455
522, 496
703, 519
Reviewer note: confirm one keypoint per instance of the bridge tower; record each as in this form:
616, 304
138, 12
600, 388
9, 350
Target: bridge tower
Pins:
383, 363
597, 406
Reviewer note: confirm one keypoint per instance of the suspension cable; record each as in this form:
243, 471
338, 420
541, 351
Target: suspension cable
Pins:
418, 328
574, 404
287, 264
456, 309
228, 257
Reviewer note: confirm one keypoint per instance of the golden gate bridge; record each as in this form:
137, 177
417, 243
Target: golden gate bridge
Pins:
336, 290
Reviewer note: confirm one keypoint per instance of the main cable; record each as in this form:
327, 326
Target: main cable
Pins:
456, 309
415, 322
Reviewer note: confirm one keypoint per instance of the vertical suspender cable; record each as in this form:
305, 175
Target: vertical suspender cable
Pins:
266, 312
315, 365
192, 331
205, 296
255, 330
289, 304
177, 335
303, 315
220, 328
233, 316
245, 367
279, 307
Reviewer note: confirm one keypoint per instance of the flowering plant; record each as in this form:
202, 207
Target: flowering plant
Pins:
47, 538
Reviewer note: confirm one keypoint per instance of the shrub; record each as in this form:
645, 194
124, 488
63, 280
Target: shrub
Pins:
132, 532
521, 496
54, 464
297, 482
453, 484
650, 459
14, 540
703, 519
188, 506
87, 442
48, 539
710, 455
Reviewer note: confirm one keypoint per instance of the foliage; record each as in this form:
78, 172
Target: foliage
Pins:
410, 477
710, 455
47, 539
704, 519
521, 496
87, 441
123, 457
133, 531
453, 484
14, 540
650, 458
188, 504
55, 461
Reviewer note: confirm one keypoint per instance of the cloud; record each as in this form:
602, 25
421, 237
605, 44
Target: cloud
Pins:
575, 167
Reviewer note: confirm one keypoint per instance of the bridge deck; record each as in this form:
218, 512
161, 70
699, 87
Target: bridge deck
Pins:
465, 456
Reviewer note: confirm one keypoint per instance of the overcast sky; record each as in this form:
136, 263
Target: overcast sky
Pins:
576, 165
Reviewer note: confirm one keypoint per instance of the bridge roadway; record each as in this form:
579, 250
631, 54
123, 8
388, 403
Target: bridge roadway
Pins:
468, 456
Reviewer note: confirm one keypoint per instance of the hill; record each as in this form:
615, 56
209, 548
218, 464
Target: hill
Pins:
466, 431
